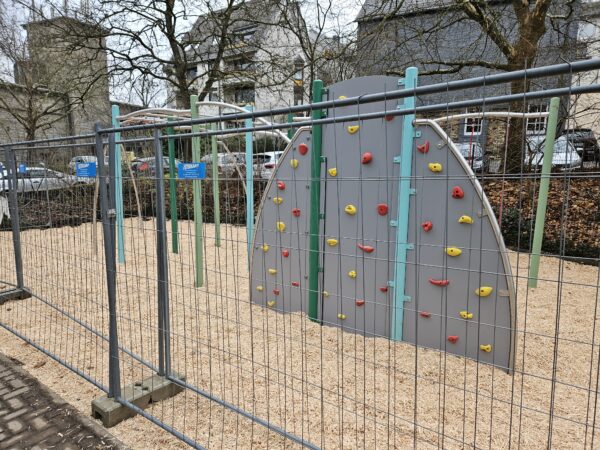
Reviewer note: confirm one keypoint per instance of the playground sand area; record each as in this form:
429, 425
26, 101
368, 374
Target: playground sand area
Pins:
332, 388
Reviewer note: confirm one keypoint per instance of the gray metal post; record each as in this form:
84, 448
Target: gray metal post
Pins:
108, 227
9, 156
162, 262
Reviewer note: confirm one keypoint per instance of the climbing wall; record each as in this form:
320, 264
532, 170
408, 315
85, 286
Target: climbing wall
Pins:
456, 294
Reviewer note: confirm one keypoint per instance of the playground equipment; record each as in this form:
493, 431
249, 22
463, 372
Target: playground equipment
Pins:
388, 241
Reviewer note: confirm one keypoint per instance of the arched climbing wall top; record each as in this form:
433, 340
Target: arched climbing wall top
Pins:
454, 291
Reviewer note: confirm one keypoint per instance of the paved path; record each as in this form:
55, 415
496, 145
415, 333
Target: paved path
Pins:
32, 417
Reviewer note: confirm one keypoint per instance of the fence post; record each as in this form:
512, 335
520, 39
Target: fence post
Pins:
249, 184
540, 214
108, 215
315, 206
164, 356
13, 208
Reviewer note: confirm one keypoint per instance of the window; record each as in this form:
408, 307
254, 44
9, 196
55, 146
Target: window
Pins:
537, 125
192, 73
213, 95
245, 34
244, 95
473, 126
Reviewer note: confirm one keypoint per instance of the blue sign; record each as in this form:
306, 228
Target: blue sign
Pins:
191, 171
86, 170
22, 168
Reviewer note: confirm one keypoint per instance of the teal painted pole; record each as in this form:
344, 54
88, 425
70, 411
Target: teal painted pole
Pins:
249, 184
540, 214
404, 192
118, 187
173, 189
315, 206
197, 194
290, 119
215, 180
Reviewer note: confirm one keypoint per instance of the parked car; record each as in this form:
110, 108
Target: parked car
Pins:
585, 143
226, 162
147, 165
474, 155
264, 164
42, 179
565, 157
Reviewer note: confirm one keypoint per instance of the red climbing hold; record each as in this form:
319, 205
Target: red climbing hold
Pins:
389, 118
276, 291
303, 149
360, 302
366, 248
452, 339
382, 209
457, 192
439, 282
285, 253
427, 226
296, 212
423, 148
281, 185
367, 157
425, 314
383, 288
295, 283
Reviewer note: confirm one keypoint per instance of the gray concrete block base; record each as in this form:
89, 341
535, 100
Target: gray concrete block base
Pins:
151, 390
13, 294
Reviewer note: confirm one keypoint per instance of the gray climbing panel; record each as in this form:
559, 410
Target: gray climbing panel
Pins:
359, 202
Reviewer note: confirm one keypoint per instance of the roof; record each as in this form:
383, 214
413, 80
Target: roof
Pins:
373, 9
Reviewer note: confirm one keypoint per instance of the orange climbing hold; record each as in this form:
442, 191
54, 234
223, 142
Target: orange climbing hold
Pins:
423, 148
360, 302
382, 209
439, 282
285, 253
303, 149
366, 248
457, 192
425, 314
366, 158
276, 291
427, 226
389, 118
281, 185
452, 339
296, 212
296, 283
383, 288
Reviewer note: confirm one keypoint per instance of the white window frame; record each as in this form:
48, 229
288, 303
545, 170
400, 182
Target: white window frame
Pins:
476, 123
537, 125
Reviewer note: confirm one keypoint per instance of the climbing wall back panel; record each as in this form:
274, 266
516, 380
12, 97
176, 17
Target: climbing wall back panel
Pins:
359, 207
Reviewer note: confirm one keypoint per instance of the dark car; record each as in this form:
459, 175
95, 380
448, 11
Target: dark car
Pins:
585, 143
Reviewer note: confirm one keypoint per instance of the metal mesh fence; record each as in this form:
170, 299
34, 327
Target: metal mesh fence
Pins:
367, 284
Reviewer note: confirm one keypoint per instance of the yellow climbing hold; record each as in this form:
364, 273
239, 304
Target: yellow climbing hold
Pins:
342, 316
435, 167
259, 288
342, 97
484, 291
277, 200
273, 271
294, 163
466, 315
352, 274
325, 294
350, 209
465, 219
453, 251
265, 248
486, 348
332, 242
332, 172
280, 227
271, 303
353, 129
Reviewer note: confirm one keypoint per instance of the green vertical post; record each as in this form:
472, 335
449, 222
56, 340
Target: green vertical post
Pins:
173, 189
118, 187
315, 206
215, 181
197, 194
540, 214
290, 119
249, 183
